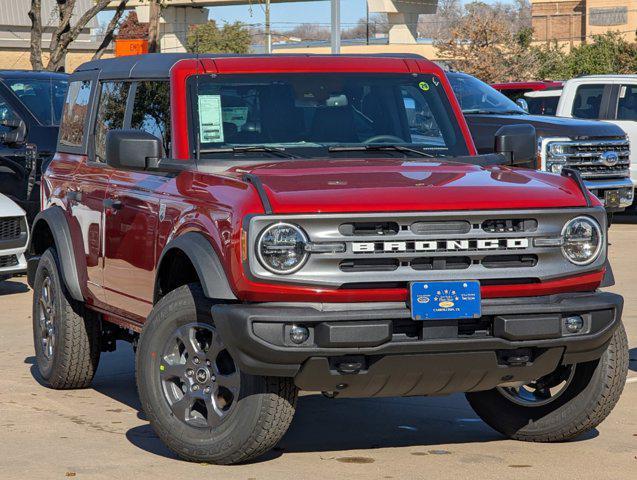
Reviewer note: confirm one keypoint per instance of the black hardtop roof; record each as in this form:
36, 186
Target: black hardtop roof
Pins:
158, 65
33, 74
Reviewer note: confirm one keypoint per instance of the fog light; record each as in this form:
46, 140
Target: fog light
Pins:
574, 324
299, 334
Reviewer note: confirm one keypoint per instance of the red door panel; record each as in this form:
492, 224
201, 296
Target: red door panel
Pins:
131, 217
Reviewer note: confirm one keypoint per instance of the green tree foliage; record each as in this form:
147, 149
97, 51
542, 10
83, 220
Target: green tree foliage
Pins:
209, 38
605, 54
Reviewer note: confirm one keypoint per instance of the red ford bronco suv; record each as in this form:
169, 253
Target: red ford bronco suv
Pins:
259, 225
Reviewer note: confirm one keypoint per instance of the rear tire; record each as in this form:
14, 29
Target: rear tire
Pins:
196, 399
66, 336
591, 393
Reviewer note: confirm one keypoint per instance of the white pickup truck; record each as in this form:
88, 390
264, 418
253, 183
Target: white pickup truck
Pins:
611, 98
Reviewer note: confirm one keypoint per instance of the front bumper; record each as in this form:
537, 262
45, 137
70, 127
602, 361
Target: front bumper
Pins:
377, 350
623, 187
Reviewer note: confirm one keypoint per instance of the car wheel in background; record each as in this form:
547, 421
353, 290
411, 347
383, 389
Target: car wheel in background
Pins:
66, 336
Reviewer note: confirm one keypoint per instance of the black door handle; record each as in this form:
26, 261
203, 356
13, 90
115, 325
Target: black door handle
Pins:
74, 196
111, 204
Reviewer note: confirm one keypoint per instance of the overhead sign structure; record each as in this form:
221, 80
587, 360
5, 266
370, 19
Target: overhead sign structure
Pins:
178, 15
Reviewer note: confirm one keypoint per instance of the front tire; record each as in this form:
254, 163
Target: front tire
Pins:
197, 400
66, 336
590, 392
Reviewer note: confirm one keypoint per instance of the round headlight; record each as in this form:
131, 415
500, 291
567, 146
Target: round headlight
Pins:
582, 240
281, 248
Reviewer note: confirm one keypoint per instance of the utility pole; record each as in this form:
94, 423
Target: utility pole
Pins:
153, 26
336, 27
268, 29
366, 22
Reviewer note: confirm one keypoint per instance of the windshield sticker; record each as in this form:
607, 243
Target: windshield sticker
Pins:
424, 86
435, 81
210, 119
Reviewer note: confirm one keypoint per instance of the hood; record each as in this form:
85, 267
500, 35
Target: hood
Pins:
8, 208
377, 185
483, 128
553, 126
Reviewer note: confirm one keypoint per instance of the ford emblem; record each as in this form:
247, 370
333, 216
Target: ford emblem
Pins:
609, 159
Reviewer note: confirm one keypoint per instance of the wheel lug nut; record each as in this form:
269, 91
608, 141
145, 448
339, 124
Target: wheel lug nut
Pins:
190, 372
213, 378
195, 387
207, 390
208, 363
195, 361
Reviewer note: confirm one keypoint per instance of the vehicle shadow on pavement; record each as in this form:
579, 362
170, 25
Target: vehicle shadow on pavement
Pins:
632, 359
11, 287
429, 425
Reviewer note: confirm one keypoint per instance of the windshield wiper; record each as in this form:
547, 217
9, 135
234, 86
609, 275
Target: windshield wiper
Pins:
380, 148
251, 148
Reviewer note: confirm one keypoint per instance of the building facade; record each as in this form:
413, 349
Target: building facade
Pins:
574, 21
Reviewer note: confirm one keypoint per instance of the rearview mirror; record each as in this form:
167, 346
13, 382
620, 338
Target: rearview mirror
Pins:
517, 143
132, 149
15, 136
523, 104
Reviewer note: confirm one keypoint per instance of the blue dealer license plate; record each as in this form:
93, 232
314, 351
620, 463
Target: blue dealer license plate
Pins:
445, 300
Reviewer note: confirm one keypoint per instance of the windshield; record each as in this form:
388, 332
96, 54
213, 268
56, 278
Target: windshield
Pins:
43, 97
476, 96
317, 114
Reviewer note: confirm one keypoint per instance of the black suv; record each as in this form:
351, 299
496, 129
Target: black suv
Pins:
30, 108
598, 150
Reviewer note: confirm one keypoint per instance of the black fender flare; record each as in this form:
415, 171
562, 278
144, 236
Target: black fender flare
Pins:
56, 220
206, 262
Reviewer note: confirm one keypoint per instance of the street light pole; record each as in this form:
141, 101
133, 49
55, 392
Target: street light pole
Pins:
336, 27
268, 29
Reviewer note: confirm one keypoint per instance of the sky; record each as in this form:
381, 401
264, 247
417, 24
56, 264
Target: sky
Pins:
285, 16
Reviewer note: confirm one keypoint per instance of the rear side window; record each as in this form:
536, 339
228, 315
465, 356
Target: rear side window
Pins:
151, 111
587, 102
110, 114
75, 112
627, 105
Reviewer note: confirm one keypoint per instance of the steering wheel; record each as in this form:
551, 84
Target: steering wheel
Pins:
384, 139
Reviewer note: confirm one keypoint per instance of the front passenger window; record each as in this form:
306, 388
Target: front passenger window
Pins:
110, 114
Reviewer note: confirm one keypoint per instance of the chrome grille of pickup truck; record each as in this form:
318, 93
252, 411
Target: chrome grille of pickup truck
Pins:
596, 159
397, 248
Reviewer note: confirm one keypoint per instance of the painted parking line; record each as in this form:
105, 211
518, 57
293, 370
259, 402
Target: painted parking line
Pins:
631, 380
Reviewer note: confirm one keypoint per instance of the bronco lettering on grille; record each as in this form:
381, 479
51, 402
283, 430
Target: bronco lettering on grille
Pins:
441, 245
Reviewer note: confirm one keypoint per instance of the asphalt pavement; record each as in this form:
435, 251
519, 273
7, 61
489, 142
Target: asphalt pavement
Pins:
100, 433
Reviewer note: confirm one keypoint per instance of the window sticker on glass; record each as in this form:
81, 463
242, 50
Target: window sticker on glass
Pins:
210, 119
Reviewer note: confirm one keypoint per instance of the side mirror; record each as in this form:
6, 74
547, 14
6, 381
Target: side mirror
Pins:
16, 136
523, 104
132, 149
518, 145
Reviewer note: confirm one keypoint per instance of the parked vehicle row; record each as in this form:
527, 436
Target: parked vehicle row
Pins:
262, 225
608, 98
599, 151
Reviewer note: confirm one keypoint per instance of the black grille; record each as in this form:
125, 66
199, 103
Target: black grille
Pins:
10, 228
8, 261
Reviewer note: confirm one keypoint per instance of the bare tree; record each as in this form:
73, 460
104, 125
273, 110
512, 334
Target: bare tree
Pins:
35, 14
109, 32
153, 27
486, 43
64, 33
